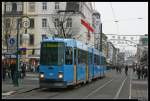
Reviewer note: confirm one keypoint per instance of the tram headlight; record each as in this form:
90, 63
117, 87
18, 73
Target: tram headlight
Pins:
41, 76
60, 75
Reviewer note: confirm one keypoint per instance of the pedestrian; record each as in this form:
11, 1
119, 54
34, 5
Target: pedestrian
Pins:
145, 72
13, 67
23, 67
8, 70
4, 70
117, 68
24, 70
138, 72
142, 72
133, 69
126, 70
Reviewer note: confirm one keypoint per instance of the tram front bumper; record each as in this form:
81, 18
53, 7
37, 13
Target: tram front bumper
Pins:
52, 84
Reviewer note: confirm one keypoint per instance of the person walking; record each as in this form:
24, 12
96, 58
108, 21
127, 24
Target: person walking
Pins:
23, 70
142, 72
12, 67
126, 70
146, 72
4, 70
138, 72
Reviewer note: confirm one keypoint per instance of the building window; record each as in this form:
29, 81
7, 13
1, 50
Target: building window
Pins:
44, 5
56, 5
113, 36
31, 6
44, 36
19, 7
31, 39
56, 22
14, 7
124, 37
31, 23
19, 20
8, 7
131, 38
44, 23
7, 23
69, 22
118, 37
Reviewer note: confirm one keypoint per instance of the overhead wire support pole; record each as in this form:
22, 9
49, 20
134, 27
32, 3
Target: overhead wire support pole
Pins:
16, 83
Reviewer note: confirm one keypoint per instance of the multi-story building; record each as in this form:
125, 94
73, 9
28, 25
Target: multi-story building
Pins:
142, 49
97, 25
104, 43
110, 53
121, 58
11, 13
44, 20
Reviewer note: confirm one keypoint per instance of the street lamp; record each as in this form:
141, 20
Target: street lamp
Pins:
16, 76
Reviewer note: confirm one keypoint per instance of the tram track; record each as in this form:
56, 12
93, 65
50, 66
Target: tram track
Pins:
110, 87
105, 85
99, 88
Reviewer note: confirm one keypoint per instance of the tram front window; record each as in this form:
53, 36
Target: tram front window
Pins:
52, 53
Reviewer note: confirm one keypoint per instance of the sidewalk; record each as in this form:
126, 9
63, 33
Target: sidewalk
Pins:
30, 82
139, 88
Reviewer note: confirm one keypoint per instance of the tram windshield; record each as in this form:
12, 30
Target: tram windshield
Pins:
52, 53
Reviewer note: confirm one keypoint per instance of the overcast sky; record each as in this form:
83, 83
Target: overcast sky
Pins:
127, 13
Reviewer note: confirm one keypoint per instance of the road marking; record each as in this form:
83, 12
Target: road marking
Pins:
130, 84
32, 78
99, 88
117, 95
8, 93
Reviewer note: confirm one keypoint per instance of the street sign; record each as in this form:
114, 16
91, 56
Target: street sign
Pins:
23, 49
12, 41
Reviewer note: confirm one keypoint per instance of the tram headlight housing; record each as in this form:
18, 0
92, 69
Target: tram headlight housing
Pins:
41, 76
60, 75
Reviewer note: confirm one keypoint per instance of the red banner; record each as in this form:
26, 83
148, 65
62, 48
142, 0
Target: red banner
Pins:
87, 25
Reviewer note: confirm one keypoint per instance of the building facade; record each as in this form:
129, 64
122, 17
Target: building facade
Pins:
44, 20
142, 50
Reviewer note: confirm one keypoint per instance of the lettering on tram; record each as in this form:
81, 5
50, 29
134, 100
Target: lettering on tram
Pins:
52, 53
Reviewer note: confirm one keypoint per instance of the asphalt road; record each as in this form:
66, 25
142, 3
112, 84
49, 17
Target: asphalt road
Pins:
113, 86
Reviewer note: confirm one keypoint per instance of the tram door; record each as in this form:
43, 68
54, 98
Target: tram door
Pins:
75, 65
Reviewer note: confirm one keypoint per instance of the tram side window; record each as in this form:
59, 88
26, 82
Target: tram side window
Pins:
98, 60
68, 55
80, 56
75, 56
102, 59
95, 58
91, 58
83, 57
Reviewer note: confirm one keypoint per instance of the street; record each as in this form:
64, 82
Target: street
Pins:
113, 86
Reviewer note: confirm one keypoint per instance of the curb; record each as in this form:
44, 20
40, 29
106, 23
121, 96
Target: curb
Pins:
8, 93
18, 91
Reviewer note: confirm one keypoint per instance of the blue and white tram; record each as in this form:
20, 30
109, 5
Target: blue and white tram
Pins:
65, 62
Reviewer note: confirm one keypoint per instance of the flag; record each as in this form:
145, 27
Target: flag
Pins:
87, 25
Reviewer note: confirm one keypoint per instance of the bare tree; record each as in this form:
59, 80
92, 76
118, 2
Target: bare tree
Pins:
7, 29
60, 21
